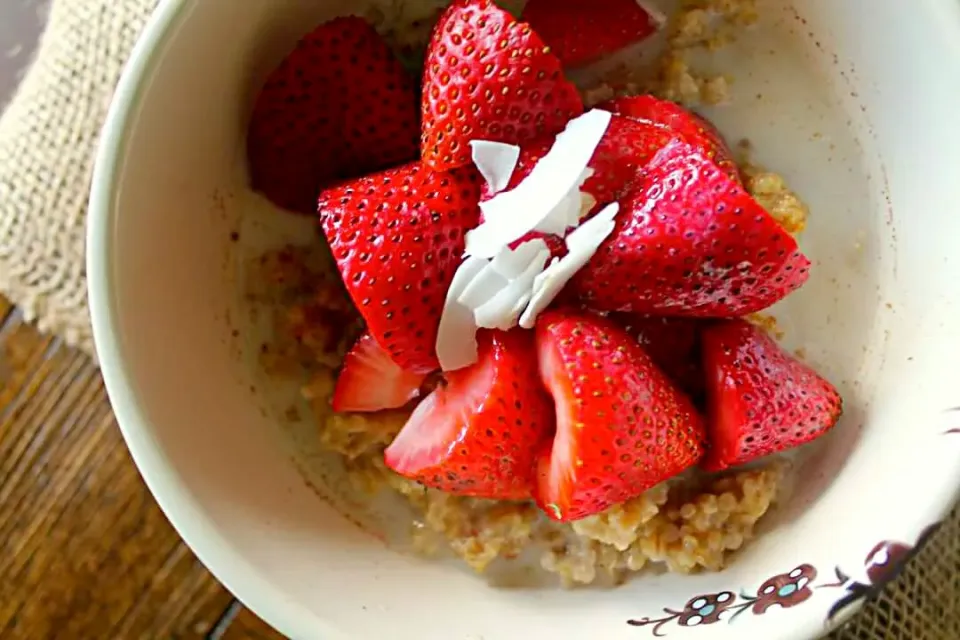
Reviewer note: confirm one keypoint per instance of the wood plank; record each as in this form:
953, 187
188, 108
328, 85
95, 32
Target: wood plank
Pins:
86, 553
247, 626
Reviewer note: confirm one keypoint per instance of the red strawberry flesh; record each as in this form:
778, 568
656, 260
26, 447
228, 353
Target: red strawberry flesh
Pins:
690, 242
761, 400
489, 77
679, 122
340, 105
622, 425
371, 381
479, 432
398, 238
673, 344
581, 32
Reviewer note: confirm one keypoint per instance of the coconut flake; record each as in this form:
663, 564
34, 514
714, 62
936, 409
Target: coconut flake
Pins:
594, 231
587, 203
504, 309
510, 215
485, 284
582, 244
457, 333
511, 263
566, 215
498, 273
496, 162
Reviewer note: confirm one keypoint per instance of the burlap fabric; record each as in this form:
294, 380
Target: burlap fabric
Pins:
47, 138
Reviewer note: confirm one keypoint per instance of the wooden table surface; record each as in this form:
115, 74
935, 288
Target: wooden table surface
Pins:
86, 551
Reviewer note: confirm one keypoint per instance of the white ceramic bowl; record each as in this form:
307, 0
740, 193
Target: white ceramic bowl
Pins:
855, 101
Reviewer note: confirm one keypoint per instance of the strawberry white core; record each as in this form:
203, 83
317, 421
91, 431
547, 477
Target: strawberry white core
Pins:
496, 162
427, 436
556, 469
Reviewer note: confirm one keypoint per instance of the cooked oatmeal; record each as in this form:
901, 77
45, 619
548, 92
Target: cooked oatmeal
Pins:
685, 525
699, 25
772, 191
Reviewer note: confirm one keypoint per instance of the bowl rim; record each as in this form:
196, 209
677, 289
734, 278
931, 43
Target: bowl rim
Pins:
172, 494
174, 497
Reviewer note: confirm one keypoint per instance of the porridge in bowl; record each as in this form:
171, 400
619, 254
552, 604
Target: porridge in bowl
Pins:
537, 310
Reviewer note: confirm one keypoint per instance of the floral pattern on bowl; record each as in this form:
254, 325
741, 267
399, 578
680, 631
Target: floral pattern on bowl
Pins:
883, 564
955, 430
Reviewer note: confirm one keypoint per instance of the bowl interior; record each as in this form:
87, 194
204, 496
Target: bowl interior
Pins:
865, 131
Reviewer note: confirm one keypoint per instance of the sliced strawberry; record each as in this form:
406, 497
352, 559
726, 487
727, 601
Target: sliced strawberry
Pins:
580, 32
625, 149
398, 238
693, 128
690, 242
478, 434
340, 105
622, 424
489, 77
761, 400
371, 381
674, 346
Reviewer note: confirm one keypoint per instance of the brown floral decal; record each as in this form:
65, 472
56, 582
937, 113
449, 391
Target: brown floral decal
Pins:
786, 590
883, 564
956, 430
699, 611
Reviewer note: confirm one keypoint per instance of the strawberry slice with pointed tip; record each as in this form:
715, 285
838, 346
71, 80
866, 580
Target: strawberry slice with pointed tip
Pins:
371, 381
761, 400
338, 106
691, 242
489, 77
622, 425
398, 238
581, 32
693, 128
674, 346
479, 432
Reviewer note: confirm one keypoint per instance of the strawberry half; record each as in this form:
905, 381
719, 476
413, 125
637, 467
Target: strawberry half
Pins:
674, 346
670, 116
489, 77
340, 105
622, 424
478, 433
371, 381
398, 238
761, 400
690, 242
581, 32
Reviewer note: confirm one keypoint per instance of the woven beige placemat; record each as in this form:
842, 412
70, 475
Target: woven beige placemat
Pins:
47, 138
